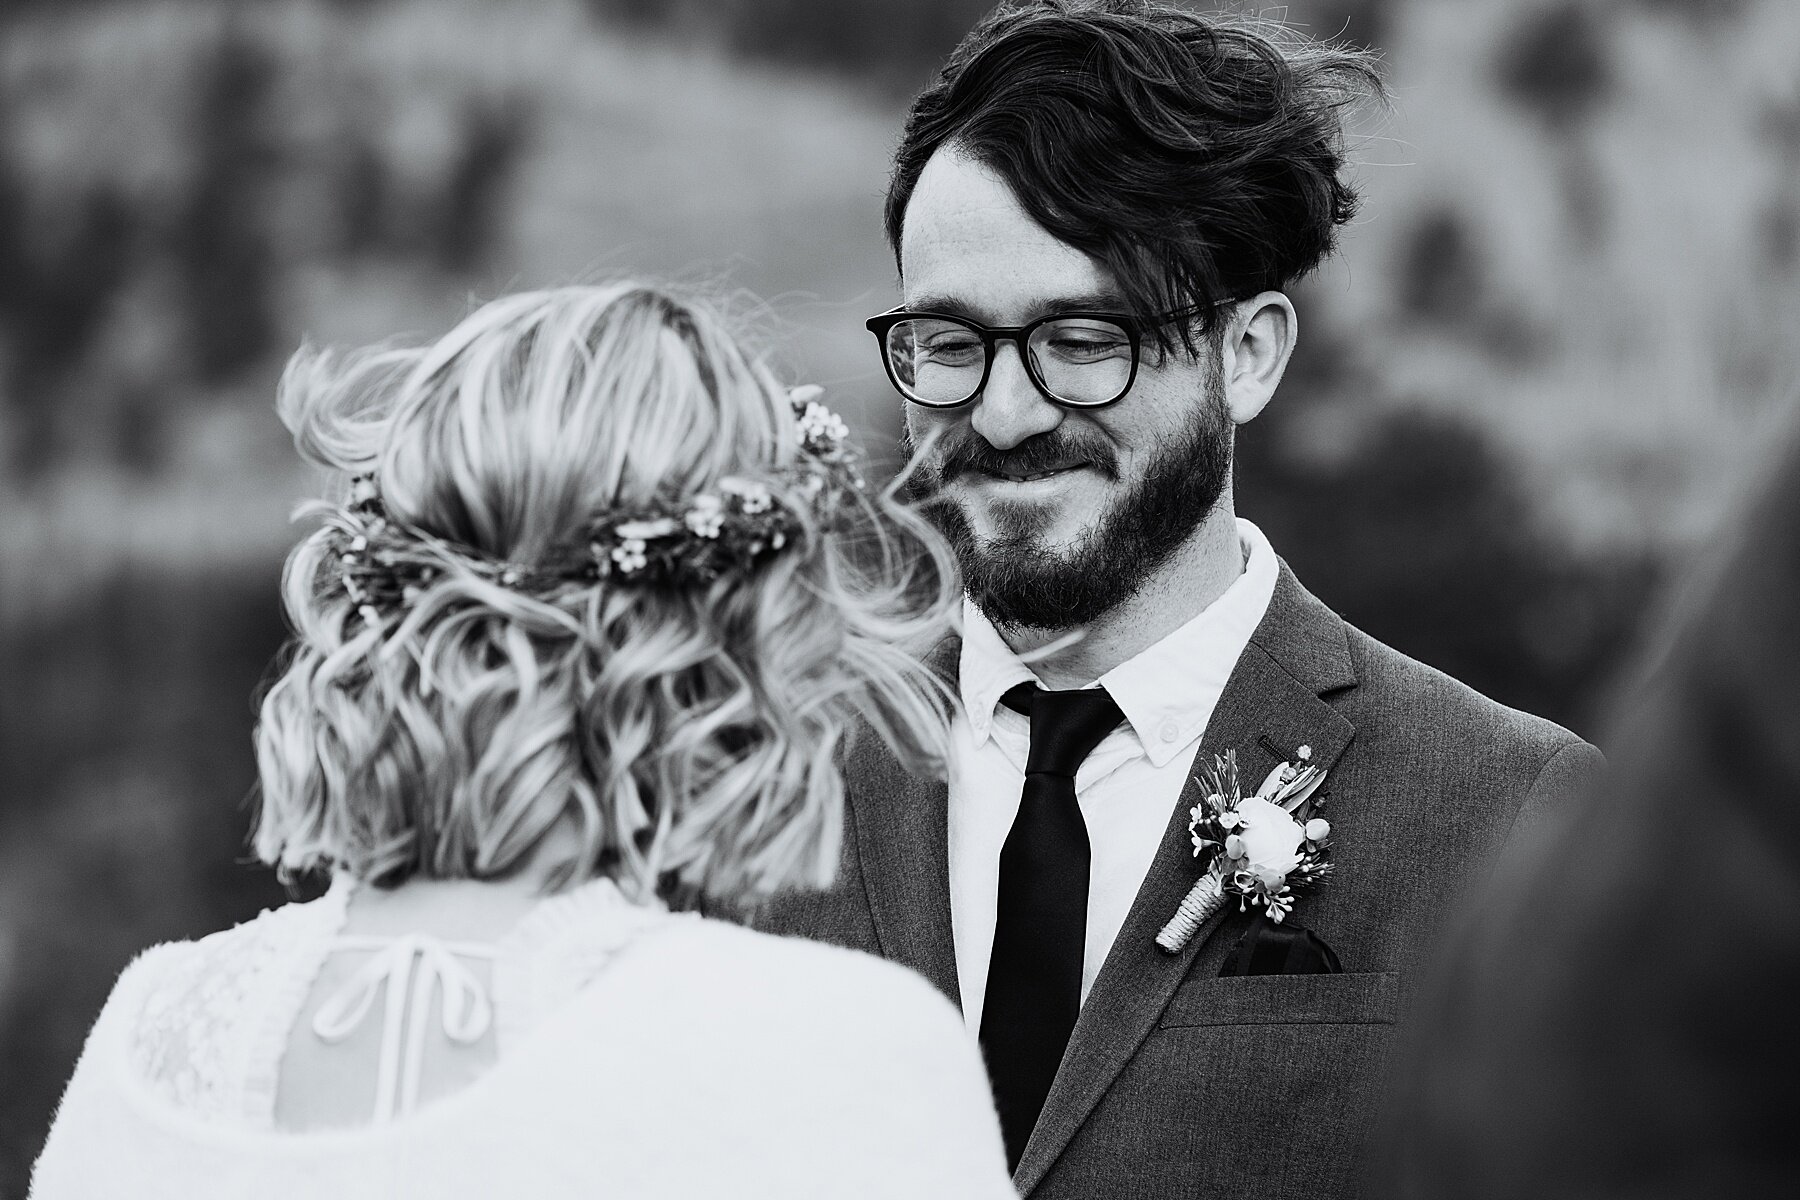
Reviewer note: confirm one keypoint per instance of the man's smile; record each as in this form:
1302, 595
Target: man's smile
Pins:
1031, 476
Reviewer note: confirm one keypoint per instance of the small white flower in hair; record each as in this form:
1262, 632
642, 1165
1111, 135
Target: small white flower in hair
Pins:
629, 556
707, 516
753, 498
819, 423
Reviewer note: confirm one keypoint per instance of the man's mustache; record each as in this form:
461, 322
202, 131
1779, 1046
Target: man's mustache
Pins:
970, 453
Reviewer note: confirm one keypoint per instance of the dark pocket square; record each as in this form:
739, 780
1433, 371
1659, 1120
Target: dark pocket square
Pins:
1286, 949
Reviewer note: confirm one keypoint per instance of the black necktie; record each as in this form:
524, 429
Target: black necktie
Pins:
1040, 922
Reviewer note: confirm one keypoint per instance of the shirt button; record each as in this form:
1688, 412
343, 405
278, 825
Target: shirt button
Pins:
1169, 730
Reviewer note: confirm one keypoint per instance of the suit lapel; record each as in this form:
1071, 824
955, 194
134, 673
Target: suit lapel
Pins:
902, 841
1272, 699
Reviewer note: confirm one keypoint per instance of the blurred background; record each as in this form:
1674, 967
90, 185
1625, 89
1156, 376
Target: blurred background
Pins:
1525, 393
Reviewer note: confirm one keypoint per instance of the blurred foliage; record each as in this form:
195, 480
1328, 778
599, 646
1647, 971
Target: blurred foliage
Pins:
199, 245
1420, 534
1554, 63
896, 44
125, 764
1519, 397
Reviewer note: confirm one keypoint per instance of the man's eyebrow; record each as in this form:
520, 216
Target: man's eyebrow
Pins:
1105, 301
948, 305
1109, 302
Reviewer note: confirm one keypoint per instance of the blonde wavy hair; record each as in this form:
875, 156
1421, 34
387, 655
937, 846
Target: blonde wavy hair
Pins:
685, 735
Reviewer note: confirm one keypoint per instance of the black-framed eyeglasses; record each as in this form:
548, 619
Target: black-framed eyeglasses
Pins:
1076, 359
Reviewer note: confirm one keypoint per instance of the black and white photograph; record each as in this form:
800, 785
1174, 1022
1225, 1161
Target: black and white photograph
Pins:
969, 599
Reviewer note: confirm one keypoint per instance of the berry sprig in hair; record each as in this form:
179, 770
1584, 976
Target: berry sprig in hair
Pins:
384, 564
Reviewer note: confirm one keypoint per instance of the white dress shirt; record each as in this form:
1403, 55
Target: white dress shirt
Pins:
1127, 787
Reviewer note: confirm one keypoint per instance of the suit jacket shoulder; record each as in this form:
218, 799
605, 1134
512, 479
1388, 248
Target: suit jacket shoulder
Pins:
1395, 687
1437, 780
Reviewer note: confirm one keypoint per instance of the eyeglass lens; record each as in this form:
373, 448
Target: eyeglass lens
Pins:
1077, 360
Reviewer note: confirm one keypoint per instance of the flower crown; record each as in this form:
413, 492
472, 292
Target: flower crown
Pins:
383, 564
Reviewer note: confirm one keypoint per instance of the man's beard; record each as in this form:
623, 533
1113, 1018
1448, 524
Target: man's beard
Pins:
1018, 582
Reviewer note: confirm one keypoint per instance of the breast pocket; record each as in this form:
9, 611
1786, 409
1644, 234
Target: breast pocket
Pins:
1240, 1056
1364, 998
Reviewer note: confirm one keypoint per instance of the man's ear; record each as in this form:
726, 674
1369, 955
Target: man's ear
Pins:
1257, 340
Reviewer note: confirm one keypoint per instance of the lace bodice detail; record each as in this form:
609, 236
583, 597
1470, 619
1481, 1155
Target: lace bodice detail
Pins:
216, 1014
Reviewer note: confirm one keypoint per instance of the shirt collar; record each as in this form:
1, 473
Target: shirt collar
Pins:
1166, 691
987, 670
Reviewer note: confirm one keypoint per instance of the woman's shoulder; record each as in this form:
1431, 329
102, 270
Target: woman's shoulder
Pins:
170, 973
204, 1020
809, 1050
168, 1021
835, 1021
792, 972
750, 995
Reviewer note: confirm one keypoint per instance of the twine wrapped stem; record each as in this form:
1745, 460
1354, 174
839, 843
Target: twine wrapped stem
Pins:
1201, 902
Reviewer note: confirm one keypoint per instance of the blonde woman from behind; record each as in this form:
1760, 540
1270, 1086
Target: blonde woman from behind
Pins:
587, 626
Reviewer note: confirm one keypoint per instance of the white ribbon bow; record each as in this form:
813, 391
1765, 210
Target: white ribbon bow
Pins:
467, 1011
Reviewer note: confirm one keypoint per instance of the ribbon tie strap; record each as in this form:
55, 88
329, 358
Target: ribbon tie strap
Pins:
409, 969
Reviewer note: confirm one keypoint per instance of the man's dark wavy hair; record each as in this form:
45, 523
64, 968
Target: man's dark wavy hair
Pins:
1200, 158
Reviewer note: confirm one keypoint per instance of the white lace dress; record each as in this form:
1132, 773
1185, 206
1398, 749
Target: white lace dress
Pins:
640, 1053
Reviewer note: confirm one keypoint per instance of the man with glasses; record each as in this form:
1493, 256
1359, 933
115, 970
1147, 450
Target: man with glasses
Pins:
1096, 210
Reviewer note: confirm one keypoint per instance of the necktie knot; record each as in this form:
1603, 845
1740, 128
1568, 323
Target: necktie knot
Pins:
1065, 725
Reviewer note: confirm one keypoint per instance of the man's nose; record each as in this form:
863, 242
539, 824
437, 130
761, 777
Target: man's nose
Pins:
1010, 408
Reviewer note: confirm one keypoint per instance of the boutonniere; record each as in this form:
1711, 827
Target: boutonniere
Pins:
1264, 849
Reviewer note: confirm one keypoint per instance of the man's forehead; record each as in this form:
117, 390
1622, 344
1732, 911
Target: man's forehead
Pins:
968, 245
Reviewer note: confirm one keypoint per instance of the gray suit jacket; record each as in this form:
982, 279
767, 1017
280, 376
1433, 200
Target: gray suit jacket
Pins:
1178, 1082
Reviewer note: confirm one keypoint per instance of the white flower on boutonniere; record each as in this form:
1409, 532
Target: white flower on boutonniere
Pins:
1264, 848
